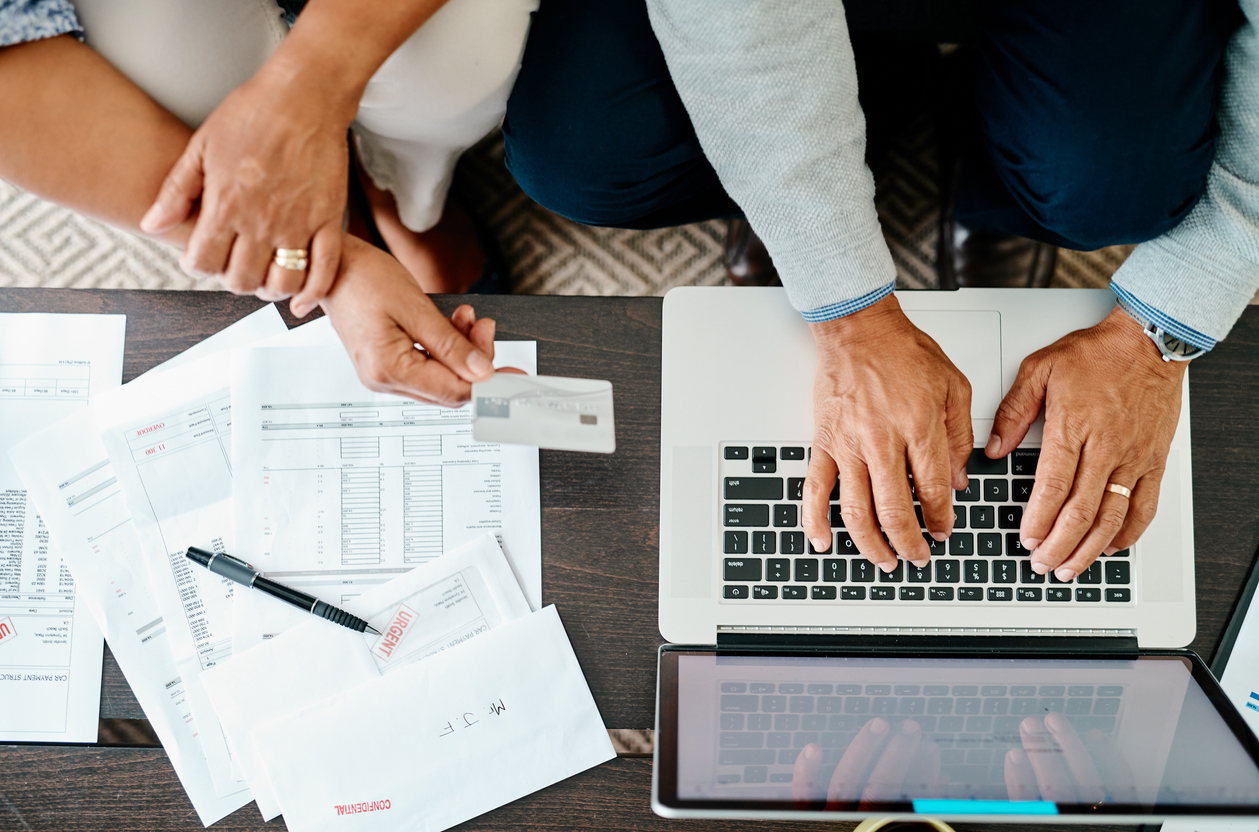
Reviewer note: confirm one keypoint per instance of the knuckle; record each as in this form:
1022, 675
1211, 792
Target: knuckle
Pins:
1077, 517
1142, 513
895, 517
1049, 487
1111, 518
374, 373
932, 491
854, 515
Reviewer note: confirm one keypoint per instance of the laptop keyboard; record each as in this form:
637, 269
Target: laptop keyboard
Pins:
767, 557
764, 725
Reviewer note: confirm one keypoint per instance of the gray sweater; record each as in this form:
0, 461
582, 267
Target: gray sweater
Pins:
772, 91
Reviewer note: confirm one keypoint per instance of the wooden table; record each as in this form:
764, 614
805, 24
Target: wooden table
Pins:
599, 534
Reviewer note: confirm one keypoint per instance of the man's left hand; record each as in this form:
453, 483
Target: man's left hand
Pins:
1111, 408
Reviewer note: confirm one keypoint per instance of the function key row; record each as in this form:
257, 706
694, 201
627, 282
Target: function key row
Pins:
816, 689
920, 593
946, 571
1020, 462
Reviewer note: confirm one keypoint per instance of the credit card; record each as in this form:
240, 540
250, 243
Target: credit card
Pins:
563, 414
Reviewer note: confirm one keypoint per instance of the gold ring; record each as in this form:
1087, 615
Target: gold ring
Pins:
1116, 488
292, 258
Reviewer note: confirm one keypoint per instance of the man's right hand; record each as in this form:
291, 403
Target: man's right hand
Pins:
381, 314
886, 400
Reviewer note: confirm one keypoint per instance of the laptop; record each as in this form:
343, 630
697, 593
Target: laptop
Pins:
818, 652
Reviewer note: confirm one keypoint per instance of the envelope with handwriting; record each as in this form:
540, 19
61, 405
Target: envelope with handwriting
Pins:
440, 741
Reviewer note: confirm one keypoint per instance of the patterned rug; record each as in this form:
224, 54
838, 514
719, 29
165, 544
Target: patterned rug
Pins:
44, 245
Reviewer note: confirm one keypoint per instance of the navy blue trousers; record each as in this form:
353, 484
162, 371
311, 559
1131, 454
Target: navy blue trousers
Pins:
1095, 119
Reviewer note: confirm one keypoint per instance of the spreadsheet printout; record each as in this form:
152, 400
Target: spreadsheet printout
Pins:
50, 648
340, 489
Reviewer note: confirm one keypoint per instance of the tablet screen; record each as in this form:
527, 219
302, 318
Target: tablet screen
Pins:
949, 736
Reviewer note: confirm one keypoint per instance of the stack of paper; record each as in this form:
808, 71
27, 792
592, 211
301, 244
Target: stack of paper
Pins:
261, 441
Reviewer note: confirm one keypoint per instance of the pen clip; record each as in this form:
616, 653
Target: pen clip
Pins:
236, 559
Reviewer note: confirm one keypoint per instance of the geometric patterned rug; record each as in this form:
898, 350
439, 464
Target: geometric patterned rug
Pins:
44, 245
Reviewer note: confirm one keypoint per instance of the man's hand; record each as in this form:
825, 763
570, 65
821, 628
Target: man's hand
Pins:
1055, 764
881, 765
380, 314
1111, 407
885, 399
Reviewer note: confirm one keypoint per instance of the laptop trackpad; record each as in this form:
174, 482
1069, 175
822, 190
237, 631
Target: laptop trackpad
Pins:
972, 341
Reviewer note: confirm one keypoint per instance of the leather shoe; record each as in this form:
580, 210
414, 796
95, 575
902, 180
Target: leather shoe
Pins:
747, 261
982, 259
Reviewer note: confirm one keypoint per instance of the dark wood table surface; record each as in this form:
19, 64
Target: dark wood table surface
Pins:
599, 538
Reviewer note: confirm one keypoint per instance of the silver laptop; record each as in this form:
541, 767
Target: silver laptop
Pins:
736, 420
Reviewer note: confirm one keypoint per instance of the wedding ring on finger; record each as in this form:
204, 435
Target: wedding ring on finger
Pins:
292, 258
1116, 488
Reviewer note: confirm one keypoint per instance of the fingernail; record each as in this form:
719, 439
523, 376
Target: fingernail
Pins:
479, 364
878, 727
888, 566
300, 310
994, 445
1064, 574
1030, 543
1017, 756
811, 752
819, 543
910, 727
149, 219
939, 537
921, 564
1110, 550
1039, 568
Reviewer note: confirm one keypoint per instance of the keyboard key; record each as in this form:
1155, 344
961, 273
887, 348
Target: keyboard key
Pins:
820, 690
1027, 576
1023, 706
913, 593
918, 574
947, 572
737, 543
736, 452
1009, 517
786, 514
970, 494
1023, 690
844, 544
1029, 593
878, 690
992, 690
745, 704
1122, 553
792, 542
1091, 593
959, 517
836, 516
935, 690
1079, 707
1055, 593
911, 705
734, 757
970, 593
1118, 595
741, 569
806, 570
989, 544
1004, 572
778, 739
1014, 546
741, 687
1056, 704
742, 739
764, 452
1000, 593
731, 722
940, 706
795, 593
852, 593
895, 576
996, 491
1053, 578
882, 593
1117, 572
937, 547
982, 517
883, 705
792, 452
761, 687
735, 592
795, 488
765, 593
862, 571
822, 593
981, 464
952, 723
1022, 490
835, 570
778, 569
940, 593
764, 460
753, 488
762, 542
745, 514
813, 551
755, 774
976, 571
907, 690
980, 724
1023, 461
774, 704
962, 543
1092, 575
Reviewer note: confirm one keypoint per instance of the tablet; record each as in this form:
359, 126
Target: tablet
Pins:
1002, 736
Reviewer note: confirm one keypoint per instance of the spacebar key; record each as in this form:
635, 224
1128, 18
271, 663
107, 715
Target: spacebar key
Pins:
754, 488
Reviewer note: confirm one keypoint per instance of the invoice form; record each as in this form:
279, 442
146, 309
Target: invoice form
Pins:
339, 489
50, 648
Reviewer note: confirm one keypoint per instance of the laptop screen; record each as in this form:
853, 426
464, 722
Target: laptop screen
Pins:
961, 736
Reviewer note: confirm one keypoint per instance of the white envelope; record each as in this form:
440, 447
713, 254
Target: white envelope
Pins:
443, 740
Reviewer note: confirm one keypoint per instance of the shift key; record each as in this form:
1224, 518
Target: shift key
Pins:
754, 488
747, 514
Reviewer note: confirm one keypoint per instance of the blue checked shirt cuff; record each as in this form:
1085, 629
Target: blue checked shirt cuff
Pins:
838, 310
22, 21
1146, 314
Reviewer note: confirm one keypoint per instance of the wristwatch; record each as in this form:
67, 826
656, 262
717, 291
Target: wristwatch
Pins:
1172, 348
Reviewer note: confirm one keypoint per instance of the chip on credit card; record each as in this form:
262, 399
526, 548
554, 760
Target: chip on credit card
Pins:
563, 414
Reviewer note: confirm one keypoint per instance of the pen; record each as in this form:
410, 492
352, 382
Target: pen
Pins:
242, 573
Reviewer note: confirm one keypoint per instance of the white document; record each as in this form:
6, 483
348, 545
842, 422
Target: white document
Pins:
441, 740
439, 605
340, 489
50, 648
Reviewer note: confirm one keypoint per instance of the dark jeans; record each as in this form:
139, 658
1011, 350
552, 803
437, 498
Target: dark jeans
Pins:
1096, 119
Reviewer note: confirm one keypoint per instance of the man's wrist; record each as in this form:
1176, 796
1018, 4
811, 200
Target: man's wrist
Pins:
868, 325
1138, 345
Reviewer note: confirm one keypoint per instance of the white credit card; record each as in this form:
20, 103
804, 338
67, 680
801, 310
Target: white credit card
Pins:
564, 414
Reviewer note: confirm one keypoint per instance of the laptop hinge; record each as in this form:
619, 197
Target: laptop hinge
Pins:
918, 639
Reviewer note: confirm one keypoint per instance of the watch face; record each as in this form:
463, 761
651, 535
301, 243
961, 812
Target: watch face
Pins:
1175, 346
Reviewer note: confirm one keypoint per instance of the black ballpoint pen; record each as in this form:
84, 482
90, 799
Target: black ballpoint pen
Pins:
242, 573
